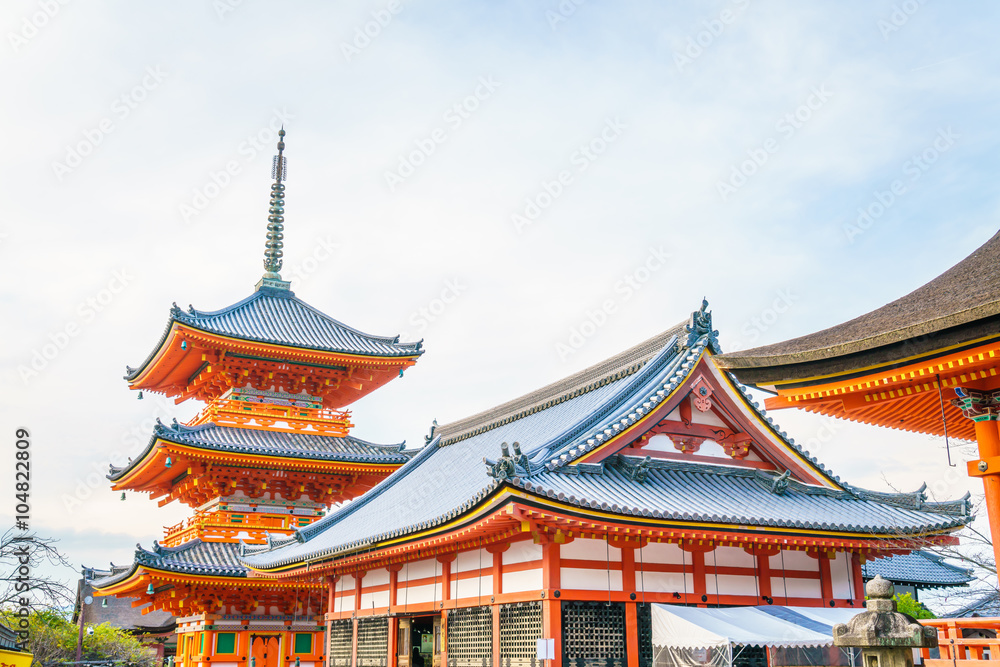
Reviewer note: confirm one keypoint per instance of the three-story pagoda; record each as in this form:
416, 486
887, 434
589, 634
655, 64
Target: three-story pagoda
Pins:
269, 453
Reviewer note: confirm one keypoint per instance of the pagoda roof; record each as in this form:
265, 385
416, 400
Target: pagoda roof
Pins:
922, 569
260, 442
219, 559
959, 306
565, 423
278, 317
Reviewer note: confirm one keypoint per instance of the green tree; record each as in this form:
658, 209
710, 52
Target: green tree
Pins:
53, 638
907, 605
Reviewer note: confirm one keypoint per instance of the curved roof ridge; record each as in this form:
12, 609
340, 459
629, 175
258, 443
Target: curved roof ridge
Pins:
611, 369
966, 292
290, 296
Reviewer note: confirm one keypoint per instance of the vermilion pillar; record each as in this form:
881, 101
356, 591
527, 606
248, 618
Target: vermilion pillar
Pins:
983, 407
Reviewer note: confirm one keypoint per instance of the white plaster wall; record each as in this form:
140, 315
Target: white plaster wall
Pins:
664, 582
795, 560
590, 549
344, 603
470, 588
839, 568
376, 599
588, 580
797, 588
429, 567
730, 584
662, 552
522, 552
518, 582
417, 594
375, 578
729, 557
470, 560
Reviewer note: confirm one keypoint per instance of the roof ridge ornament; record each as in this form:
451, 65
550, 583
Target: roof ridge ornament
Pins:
700, 325
276, 222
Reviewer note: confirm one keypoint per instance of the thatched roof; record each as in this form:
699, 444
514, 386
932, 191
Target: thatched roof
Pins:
959, 306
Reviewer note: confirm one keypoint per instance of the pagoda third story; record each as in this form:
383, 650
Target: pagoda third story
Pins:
269, 453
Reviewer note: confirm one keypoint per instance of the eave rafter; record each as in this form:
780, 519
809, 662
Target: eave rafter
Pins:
196, 476
197, 364
183, 594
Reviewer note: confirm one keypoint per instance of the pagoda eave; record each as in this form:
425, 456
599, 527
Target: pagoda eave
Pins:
191, 363
216, 472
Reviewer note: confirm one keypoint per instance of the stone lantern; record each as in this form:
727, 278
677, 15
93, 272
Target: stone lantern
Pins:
885, 636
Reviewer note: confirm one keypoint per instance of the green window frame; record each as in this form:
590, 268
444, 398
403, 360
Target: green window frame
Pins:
303, 643
201, 651
225, 642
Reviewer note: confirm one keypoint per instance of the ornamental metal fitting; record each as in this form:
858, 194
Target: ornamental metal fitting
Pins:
276, 218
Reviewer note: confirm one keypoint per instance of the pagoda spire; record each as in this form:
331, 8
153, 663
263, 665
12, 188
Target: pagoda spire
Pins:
276, 221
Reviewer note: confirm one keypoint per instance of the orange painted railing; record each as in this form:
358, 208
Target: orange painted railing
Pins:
956, 647
266, 415
224, 526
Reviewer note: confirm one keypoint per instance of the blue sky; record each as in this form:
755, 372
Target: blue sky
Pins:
730, 145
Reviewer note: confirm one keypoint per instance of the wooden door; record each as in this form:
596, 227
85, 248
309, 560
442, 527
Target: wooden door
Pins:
437, 642
403, 643
265, 650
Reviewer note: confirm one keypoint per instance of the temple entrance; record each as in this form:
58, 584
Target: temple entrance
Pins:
265, 650
419, 642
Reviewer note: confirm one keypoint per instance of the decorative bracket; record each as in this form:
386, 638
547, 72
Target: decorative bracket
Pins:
979, 406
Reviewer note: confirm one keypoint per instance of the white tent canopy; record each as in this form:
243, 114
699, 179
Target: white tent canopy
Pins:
693, 627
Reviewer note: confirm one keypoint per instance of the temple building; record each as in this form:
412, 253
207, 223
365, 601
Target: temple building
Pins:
650, 478
271, 451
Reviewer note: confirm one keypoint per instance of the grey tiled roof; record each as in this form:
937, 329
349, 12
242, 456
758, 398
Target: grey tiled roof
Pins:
920, 568
448, 477
271, 443
987, 606
279, 317
194, 557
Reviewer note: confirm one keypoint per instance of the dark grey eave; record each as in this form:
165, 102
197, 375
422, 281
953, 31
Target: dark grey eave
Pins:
921, 569
959, 306
196, 557
278, 317
259, 442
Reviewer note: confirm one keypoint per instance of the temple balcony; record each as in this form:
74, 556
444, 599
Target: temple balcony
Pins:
230, 526
294, 419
